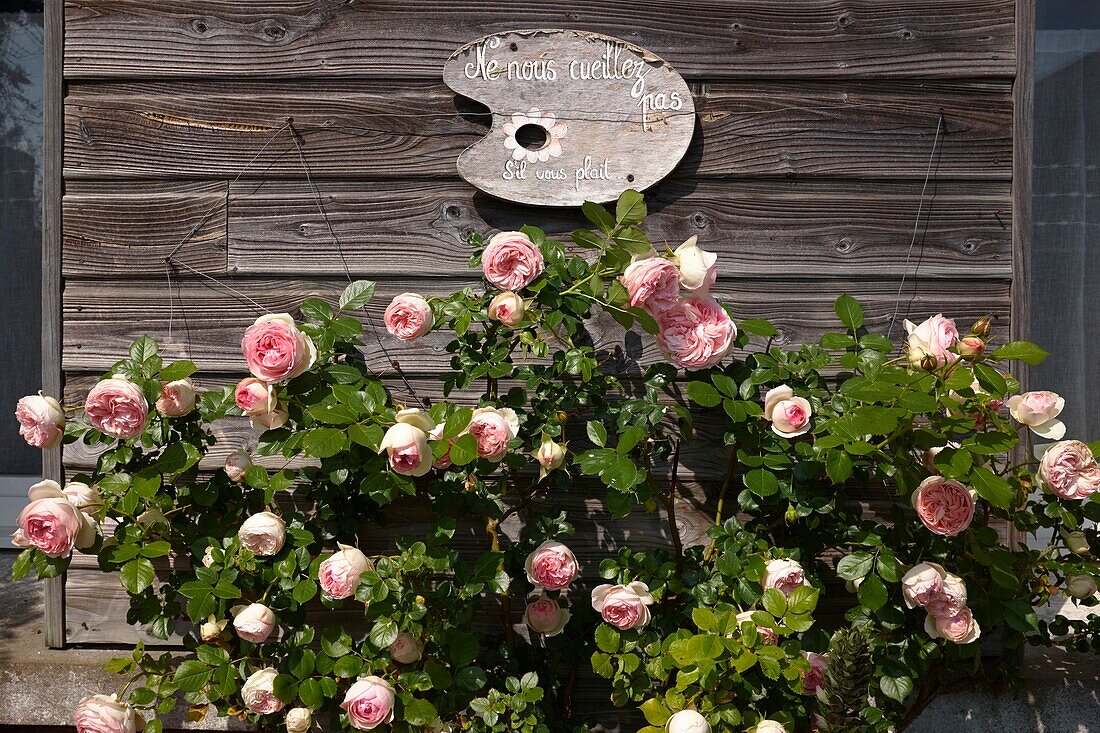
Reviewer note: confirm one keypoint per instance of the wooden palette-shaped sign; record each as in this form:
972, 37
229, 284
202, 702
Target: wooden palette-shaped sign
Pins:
576, 116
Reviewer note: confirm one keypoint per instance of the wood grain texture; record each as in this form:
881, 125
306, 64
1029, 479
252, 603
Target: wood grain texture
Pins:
108, 234
348, 130
710, 39
103, 318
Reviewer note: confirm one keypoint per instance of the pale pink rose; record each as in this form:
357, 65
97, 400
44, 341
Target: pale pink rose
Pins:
52, 523
545, 616
698, 268
41, 420
255, 396
652, 283
1081, 587
950, 599
177, 398
932, 339
408, 317
970, 347
258, 692
960, 628
117, 407
84, 497
275, 349
785, 575
263, 533
1039, 410
339, 574
769, 726
441, 461
687, 721
768, 635
508, 308
237, 464
814, 677
511, 261
922, 583
408, 450
106, 714
552, 565
211, 630
695, 332
298, 720
406, 648
1069, 470
789, 415
369, 703
623, 606
271, 420
494, 429
944, 506
254, 622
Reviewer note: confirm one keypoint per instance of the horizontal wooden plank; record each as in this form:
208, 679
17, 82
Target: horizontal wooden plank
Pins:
102, 318
112, 234
389, 38
780, 129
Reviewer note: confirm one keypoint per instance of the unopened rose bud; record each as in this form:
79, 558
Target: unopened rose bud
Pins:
687, 721
981, 327
550, 455
208, 556
561, 416
970, 347
928, 363
406, 648
420, 600
237, 465
1076, 542
853, 585
298, 720
212, 629
1081, 586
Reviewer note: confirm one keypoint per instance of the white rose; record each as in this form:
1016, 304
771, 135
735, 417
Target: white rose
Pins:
258, 692
270, 420
237, 464
1081, 586
769, 726
254, 622
298, 720
211, 629
687, 721
263, 533
698, 268
84, 497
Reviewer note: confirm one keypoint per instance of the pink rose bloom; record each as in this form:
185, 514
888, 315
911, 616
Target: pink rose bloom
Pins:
652, 283
623, 606
695, 332
258, 692
254, 622
52, 523
1039, 410
177, 398
960, 628
785, 575
237, 464
1069, 470
944, 506
545, 616
275, 349
106, 714
494, 429
814, 677
263, 533
255, 396
41, 421
789, 415
339, 574
950, 599
408, 317
768, 635
511, 261
369, 703
117, 407
922, 583
508, 308
406, 648
408, 450
932, 338
552, 565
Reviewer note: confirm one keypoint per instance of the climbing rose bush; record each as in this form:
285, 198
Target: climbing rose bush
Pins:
852, 567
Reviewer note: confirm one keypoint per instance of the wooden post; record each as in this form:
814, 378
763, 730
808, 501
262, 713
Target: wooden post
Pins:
52, 111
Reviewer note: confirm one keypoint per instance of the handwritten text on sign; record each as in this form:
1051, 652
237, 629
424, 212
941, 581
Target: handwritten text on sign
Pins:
575, 116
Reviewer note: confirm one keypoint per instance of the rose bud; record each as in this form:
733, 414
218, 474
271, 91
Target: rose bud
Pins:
508, 308
552, 565
106, 714
687, 721
1081, 586
298, 720
212, 629
339, 574
369, 703
254, 622
698, 268
769, 726
623, 606
545, 616
982, 327
970, 347
237, 464
271, 420
786, 575
255, 397
263, 533
406, 648
1076, 542
258, 692
177, 398
84, 497
550, 456
41, 420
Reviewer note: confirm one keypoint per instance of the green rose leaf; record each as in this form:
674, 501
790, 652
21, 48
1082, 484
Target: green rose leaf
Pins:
137, 575
356, 295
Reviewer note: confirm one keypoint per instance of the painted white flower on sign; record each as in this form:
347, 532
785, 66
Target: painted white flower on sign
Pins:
555, 131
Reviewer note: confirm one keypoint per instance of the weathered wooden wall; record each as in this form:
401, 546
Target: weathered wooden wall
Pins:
815, 127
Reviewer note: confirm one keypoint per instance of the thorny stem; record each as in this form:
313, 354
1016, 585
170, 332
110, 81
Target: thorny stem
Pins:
670, 509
